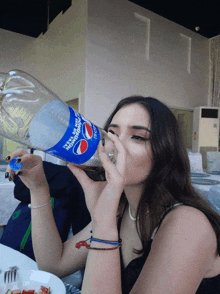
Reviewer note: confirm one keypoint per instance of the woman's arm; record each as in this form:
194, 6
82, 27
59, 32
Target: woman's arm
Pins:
51, 255
103, 269
183, 251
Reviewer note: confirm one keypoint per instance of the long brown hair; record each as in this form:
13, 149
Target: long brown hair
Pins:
169, 181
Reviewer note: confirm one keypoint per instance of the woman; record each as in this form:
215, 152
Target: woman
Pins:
170, 237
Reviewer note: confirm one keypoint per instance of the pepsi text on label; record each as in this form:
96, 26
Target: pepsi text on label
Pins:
79, 142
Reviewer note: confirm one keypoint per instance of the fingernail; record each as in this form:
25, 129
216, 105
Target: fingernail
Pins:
32, 151
6, 175
18, 160
19, 173
7, 158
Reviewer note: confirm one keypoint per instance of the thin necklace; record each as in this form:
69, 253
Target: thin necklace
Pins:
129, 211
131, 217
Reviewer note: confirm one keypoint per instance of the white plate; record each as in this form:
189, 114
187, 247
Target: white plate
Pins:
33, 280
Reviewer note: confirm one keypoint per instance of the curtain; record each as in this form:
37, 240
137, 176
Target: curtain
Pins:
215, 71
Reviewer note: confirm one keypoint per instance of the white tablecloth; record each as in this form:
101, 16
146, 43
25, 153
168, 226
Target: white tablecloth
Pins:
203, 190
10, 257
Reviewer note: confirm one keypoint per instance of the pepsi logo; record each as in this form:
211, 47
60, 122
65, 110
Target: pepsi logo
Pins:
87, 131
80, 147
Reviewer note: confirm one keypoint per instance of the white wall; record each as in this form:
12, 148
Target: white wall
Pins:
96, 51
61, 52
17, 52
56, 58
117, 65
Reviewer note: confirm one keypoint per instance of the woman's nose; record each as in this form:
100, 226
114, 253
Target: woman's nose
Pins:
123, 139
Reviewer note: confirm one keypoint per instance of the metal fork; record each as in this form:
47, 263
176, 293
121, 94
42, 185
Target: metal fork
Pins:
10, 276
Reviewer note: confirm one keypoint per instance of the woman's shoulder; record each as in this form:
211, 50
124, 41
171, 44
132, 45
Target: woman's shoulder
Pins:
183, 249
188, 229
185, 222
189, 217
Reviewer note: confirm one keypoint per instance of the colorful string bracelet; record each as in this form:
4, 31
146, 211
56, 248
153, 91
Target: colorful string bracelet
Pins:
97, 248
117, 244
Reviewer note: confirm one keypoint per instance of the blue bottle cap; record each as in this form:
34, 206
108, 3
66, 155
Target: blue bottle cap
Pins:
14, 165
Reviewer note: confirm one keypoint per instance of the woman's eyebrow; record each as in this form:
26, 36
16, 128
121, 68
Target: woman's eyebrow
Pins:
141, 128
113, 126
132, 127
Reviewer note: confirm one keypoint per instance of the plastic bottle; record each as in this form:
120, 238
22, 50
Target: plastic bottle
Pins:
34, 116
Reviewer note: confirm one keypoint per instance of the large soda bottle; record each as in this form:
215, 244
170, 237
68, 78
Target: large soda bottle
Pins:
33, 115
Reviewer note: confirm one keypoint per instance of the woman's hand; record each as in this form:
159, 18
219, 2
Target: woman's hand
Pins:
31, 173
102, 198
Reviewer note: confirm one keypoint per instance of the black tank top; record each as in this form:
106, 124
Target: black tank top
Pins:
131, 273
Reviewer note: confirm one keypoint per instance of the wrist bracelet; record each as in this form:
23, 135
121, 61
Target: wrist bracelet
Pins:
117, 243
39, 206
112, 248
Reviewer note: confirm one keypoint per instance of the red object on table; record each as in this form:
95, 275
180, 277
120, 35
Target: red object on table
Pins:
44, 290
28, 292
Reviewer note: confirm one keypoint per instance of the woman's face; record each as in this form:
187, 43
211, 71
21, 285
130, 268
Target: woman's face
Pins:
132, 125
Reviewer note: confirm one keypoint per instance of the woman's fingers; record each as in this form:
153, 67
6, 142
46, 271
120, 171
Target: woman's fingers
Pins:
31, 172
27, 160
9, 174
106, 162
120, 156
121, 153
81, 176
91, 189
17, 153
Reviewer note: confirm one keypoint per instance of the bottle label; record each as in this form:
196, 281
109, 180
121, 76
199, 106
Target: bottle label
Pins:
79, 142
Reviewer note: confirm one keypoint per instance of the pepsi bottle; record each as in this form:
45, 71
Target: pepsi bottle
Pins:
34, 116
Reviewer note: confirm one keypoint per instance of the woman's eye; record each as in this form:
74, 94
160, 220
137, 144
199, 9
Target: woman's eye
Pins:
111, 131
139, 138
